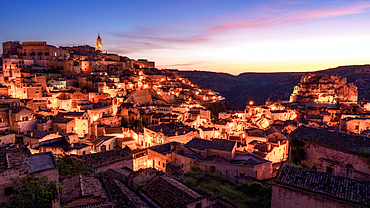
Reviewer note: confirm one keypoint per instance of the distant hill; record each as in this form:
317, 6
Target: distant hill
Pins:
239, 90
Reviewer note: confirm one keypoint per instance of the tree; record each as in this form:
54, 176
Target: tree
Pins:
32, 192
124, 123
138, 124
68, 166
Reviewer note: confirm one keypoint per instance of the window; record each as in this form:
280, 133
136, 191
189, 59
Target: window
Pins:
329, 170
9, 191
159, 162
242, 173
198, 205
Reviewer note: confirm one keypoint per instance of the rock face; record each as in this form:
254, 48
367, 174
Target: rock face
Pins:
323, 89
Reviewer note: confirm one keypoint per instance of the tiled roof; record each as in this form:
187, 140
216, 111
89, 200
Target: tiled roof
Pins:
167, 192
222, 144
79, 146
122, 196
346, 142
78, 186
216, 144
164, 148
14, 156
197, 143
38, 134
250, 162
103, 158
42, 161
70, 114
113, 130
343, 188
216, 159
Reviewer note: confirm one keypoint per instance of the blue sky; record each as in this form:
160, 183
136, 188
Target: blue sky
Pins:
228, 36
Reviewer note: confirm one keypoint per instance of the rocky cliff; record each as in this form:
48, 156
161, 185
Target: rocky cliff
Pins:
239, 90
324, 89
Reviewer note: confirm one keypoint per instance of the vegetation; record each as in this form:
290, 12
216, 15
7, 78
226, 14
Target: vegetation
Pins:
297, 152
133, 124
33, 192
246, 195
68, 166
219, 107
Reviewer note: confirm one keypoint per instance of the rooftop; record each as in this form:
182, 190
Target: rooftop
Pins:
345, 142
103, 158
338, 187
42, 161
167, 192
80, 186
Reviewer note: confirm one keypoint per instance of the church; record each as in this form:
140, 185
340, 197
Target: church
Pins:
99, 45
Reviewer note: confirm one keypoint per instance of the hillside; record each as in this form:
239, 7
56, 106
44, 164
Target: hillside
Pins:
239, 90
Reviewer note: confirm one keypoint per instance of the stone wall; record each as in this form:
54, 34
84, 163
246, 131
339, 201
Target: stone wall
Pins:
324, 89
285, 197
340, 161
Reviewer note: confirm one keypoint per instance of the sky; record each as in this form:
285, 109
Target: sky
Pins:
211, 35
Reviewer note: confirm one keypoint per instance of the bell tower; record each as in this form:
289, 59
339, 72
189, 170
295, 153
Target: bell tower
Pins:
99, 45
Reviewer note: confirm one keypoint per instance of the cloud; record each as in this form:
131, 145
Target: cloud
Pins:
195, 63
267, 20
144, 39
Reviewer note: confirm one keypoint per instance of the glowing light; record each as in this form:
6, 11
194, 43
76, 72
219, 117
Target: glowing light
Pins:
149, 163
251, 102
95, 118
294, 116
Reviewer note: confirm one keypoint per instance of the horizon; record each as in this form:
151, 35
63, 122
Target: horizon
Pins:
218, 36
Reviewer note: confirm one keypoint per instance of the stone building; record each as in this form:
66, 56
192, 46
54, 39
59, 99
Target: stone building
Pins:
17, 162
164, 191
332, 152
165, 133
41, 51
113, 159
18, 119
99, 45
323, 89
302, 187
83, 191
